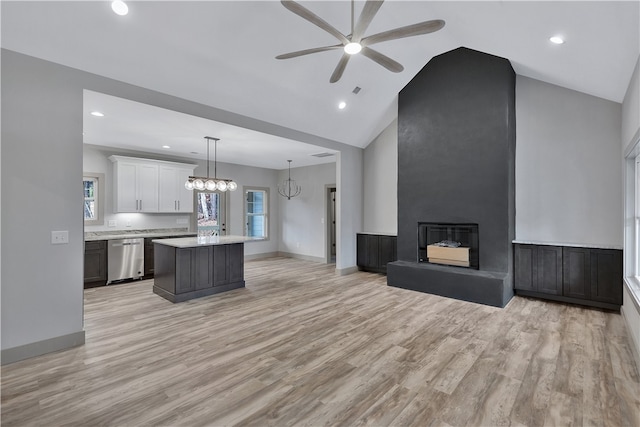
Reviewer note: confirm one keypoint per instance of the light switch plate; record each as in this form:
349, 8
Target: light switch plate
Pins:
112, 223
59, 237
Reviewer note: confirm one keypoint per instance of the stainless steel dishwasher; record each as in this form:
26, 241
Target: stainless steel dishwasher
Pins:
125, 258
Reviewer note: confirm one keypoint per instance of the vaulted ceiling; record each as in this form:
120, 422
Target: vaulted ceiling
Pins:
222, 53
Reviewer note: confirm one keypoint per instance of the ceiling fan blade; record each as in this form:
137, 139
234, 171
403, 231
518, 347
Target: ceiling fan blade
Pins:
366, 16
381, 59
305, 13
308, 51
342, 64
402, 32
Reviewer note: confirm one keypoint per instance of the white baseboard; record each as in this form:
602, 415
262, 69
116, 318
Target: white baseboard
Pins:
39, 348
302, 257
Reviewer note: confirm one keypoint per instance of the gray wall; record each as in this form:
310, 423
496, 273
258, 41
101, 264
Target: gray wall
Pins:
381, 182
302, 219
568, 169
41, 192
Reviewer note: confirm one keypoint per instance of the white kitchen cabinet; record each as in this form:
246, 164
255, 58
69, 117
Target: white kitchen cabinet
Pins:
173, 197
146, 185
135, 185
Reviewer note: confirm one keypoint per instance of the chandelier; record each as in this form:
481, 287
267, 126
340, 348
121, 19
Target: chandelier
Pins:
211, 184
289, 188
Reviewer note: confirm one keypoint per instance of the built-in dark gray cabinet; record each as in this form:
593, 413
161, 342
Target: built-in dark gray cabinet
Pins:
374, 251
538, 268
579, 275
95, 263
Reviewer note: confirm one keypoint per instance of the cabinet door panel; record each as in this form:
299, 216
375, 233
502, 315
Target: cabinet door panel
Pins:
184, 270
387, 247
526, 262
236, 262
148, 187
167, 177
606, 276
373, 246
549, 271
576, 272
184, 196
203, 266
126, 199
361, 250
220, 265
95, 263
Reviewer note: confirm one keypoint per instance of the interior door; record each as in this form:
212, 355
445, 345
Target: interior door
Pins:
211, 213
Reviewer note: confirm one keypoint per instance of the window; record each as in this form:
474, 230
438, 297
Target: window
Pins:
256, 212
93, 198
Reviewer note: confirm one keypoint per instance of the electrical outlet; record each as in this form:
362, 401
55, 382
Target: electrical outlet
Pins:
182, 221
59, 237
128, 223
112, 223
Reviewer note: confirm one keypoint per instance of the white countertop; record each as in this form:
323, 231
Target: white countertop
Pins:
575, 245
134, 234
192, 242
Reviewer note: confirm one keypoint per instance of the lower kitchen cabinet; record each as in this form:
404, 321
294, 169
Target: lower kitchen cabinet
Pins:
374, 251
95, 263
586, 276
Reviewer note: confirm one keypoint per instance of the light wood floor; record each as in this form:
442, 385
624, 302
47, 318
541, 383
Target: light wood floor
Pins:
301, 346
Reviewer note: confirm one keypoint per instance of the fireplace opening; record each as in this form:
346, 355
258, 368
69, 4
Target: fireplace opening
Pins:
448, 244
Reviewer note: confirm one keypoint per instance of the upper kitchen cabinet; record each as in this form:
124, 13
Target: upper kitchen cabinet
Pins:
145, 185
173, 197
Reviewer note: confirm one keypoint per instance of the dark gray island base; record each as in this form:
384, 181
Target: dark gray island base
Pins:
198, 266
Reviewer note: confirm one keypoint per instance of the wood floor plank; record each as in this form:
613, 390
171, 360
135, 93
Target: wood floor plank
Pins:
303, 346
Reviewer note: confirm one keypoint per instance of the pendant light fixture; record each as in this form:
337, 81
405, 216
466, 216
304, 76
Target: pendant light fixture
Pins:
211, 184
289, 188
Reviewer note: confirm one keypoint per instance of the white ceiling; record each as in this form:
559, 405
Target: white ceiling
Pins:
141, 127
222, 53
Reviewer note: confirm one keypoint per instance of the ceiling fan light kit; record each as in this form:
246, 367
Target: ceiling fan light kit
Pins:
355, 42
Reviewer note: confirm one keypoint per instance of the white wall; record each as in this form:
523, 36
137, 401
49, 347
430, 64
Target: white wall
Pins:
381, 182
303, 219
568, 169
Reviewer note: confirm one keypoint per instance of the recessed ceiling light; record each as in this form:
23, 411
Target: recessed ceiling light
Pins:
556, 40
119, 7
166, 146
97, 114
342, 105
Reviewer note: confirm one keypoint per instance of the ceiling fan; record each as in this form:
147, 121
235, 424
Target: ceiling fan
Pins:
356, 42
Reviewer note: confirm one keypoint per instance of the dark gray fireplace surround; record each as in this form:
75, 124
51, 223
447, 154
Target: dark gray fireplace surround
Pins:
456, 164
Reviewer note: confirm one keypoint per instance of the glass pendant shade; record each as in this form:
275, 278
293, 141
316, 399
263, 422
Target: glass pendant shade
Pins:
198, 184
222, 186
210, 185
188, 185
232, 186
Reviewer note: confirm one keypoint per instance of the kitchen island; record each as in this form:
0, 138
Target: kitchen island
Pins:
193, 267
